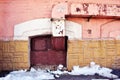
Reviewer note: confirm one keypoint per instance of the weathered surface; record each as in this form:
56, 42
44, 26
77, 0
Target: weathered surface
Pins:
14, 55
87, 9
103, 52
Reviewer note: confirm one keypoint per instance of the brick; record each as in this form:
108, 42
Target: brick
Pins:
102, 61
21, 46
103, 50
93, 44
20, 66
7, 66
77, 45
103, 54
7, 55
70, 50
7, 59
73, 56
19, 54
15, 66
118, 50
108, 62
18, 59
73, 61
82, 64
81, 61
103, 44
87, 61
12, 46
77, 50
1, 45
5, 47
110, 53
24, 65
88, 54
114, 66
1, 54
26, 58
96, 60
80, 55
1, 67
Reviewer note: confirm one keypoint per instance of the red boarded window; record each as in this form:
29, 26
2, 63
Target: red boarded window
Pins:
58, 43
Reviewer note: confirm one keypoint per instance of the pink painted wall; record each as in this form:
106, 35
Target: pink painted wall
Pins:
13, 12
100, 28
111, 29
18, 11
2, 19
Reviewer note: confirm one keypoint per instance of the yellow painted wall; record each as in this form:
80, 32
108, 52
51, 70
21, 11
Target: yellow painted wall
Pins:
103, 52
14, 55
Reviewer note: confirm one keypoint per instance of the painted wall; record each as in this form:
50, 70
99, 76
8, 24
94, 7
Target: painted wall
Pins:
100, 28
43, 26
103, 52
20, 19
14, 55
18, 11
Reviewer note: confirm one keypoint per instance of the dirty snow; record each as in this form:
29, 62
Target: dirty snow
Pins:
39, 74
31, 75
93, 69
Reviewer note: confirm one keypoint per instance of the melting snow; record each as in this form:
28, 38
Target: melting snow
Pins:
39, 74
92, 70
31, 75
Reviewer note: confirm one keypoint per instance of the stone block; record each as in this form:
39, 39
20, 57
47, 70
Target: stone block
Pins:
7, 66
72, 56
1, 66
103, 62
73, 62
87, 61
16, 66
96, 60
93, 44
26, 58
21, 46
18, 54
17, 59
20, 65
5, 47
7, 55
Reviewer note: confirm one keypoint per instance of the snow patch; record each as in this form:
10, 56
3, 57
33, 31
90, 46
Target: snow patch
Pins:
39, 74
31, 75
93, 69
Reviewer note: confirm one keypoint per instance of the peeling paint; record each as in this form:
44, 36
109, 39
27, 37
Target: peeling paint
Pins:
95, 9
43, 26
85, 9
58, 27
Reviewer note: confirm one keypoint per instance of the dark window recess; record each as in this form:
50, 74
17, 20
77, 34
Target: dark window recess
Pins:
59, 43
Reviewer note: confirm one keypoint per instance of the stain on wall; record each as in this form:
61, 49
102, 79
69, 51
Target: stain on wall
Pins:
88, 9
